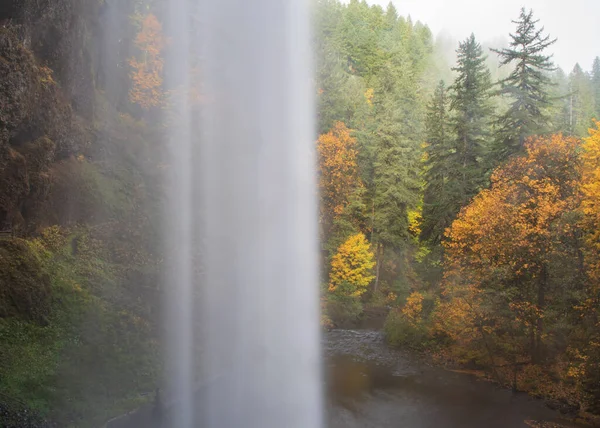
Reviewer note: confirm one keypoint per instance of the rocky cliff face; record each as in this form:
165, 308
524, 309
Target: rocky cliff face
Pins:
37, 128
59, 60
80, 191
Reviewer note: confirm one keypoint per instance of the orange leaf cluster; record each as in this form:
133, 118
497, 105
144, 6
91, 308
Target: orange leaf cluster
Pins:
147, 71
413, 308
337, 168
590, 204
506, 237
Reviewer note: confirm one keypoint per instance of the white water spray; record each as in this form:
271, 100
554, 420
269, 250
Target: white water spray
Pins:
244, 190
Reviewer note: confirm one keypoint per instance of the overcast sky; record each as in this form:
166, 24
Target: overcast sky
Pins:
576, 23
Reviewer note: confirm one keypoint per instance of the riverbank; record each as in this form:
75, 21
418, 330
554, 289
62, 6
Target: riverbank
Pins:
371, 384
531, 380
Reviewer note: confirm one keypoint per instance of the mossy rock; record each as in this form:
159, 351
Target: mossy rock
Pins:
24, 285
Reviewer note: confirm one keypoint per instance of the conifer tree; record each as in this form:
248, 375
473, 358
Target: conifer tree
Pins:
596, 87
527, 85
435, 212
471, 112
581, 102
396, 166
455, 165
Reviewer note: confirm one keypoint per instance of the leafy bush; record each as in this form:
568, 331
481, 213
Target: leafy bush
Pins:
401, 332
343, 310
96, 352
406, 326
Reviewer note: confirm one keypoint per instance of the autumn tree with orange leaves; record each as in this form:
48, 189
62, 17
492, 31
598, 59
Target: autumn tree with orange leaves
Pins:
338, 171
147, 69
340, 186
502, 286
586, 353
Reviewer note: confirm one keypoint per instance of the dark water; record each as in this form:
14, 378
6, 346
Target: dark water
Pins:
372, 386
369, 385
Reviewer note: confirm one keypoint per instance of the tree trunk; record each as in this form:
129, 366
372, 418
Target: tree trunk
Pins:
372, 220
541, 303
514, 382
490, 354
378, 261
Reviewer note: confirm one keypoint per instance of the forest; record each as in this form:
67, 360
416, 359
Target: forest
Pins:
459, 202
462, 196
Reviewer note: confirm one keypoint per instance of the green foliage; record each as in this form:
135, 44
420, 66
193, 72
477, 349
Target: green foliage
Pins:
436, 213
81, 192
596, 87
409, 326
402, 333
422, 165
458, 139
581, 102
397, 138
342, 307
24, 285
526, 86
372, 73
78, 322
95, 352
470, 121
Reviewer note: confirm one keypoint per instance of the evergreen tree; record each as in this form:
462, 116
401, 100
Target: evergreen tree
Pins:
339, 94
471, 111
396, 181
397, 140
391, 15
527, 85
581, 102
596, 87
560, 109
436, 216
358, 37
455, 169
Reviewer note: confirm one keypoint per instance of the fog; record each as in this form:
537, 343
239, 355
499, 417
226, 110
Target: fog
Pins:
573, 23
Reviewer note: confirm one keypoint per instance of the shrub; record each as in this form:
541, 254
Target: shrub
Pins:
406, 326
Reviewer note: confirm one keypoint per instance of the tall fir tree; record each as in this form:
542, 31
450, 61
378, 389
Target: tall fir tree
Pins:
527, 86
470, 121
581, 102
436, 215
596, 87
396, 183
561, 107
455, 169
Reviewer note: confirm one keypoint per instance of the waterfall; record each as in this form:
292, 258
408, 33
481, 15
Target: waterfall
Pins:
242, 219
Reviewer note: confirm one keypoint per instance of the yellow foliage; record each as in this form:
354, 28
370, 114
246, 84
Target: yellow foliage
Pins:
352, 266
369, 96
147, 72
415, 218
590, 203
413, 308
391, 298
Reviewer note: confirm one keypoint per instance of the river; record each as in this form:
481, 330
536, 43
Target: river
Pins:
371, 385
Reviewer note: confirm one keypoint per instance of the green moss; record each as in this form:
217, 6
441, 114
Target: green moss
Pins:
24, 285
96, 354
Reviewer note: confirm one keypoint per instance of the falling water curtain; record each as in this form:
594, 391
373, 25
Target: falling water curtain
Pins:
244, 190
